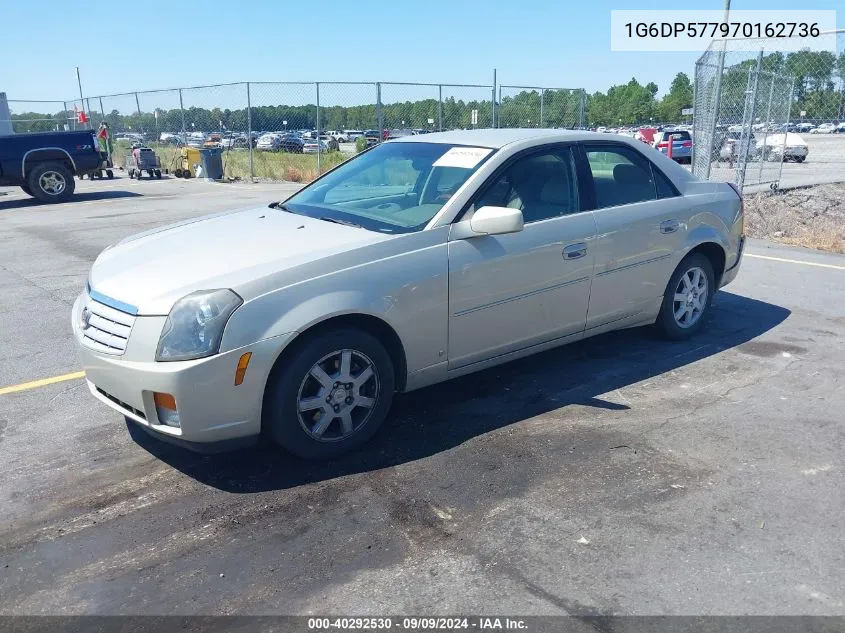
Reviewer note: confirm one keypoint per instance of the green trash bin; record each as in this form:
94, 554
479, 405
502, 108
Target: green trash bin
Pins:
212, 163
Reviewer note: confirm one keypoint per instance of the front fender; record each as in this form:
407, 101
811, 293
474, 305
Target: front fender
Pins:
279, 313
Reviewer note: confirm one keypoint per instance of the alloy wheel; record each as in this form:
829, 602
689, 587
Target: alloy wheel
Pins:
690, 298
337, 395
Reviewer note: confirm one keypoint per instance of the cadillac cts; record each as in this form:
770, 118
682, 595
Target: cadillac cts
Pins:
422, 259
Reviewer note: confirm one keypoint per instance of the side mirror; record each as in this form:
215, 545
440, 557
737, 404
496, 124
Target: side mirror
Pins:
496, 221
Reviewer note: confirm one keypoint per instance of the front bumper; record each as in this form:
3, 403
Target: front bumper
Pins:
211, 408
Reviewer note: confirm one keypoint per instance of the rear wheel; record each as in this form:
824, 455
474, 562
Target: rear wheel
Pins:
331, 396
109, 174
158, 173
26, 189
687, 298
51, 182
178, 172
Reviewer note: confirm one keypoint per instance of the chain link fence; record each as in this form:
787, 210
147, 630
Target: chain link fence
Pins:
530, 106
766, 116
293, 130
40, 116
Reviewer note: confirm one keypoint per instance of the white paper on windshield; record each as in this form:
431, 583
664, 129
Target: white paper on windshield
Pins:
466, 157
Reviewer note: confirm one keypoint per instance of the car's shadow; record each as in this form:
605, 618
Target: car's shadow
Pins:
85, 196
441, 417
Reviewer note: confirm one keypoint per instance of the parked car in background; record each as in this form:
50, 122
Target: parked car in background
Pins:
728, 146
331, 142
292, 143
789, 147
427, 258
824, 128
311, 146
213, 141
681, 144
268, 143
234, 142
804, 127
338, 135
353, 135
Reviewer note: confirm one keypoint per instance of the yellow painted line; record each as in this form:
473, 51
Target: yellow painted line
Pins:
796, 261
41, 383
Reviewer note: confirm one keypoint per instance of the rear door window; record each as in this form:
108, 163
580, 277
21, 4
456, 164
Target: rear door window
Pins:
620, 175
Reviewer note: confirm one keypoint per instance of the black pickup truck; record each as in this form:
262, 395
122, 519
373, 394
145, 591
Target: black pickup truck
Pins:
44, 164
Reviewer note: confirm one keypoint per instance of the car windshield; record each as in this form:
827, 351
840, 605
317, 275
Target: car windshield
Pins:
393, 188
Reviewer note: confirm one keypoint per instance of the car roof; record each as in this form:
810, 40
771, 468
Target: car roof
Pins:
499, 137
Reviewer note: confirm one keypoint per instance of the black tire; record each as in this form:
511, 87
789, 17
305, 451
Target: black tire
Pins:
281, 418
158, 174
42, 174
109, 174
178, 172
26, 189
186, 174
666, 322
799, 159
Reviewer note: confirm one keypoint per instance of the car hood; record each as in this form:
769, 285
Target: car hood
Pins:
152, 270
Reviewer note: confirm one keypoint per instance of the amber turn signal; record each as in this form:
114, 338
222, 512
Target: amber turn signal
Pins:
164, 400
243, 363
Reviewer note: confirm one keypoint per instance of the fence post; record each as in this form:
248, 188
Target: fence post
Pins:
249, 132
495, 105
102, 110
182, 111
542, 95
140, 118
788, 116
440, 108
379, 113
582, 108
720, 69
766, 129
746, 130
317, 84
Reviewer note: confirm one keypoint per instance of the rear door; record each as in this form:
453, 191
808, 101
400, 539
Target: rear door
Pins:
640, 225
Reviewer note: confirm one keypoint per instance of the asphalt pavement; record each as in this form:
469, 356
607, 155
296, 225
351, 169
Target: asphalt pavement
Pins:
619, 475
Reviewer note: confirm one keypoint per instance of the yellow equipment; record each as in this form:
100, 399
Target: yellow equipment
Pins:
187, 163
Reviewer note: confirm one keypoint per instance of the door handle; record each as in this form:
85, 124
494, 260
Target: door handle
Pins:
574, 251
669, 226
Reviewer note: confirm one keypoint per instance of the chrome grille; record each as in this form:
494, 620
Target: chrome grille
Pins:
104, 328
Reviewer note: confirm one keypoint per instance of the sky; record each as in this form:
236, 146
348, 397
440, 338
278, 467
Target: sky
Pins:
121, 47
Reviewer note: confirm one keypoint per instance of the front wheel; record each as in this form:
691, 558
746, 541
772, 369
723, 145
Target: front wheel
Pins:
687, 298
331, 395
26, 189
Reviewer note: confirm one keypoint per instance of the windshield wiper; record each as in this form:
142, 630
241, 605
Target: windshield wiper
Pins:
343, 222
281, 206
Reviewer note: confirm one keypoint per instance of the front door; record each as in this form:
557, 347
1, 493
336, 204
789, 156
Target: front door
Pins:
508, 292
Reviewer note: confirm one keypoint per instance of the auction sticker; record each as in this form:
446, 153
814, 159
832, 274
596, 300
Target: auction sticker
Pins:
466, 157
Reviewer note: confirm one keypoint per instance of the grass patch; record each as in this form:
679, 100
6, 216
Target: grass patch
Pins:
266, 165
812, 217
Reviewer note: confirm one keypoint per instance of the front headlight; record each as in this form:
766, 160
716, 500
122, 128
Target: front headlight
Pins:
194, 327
